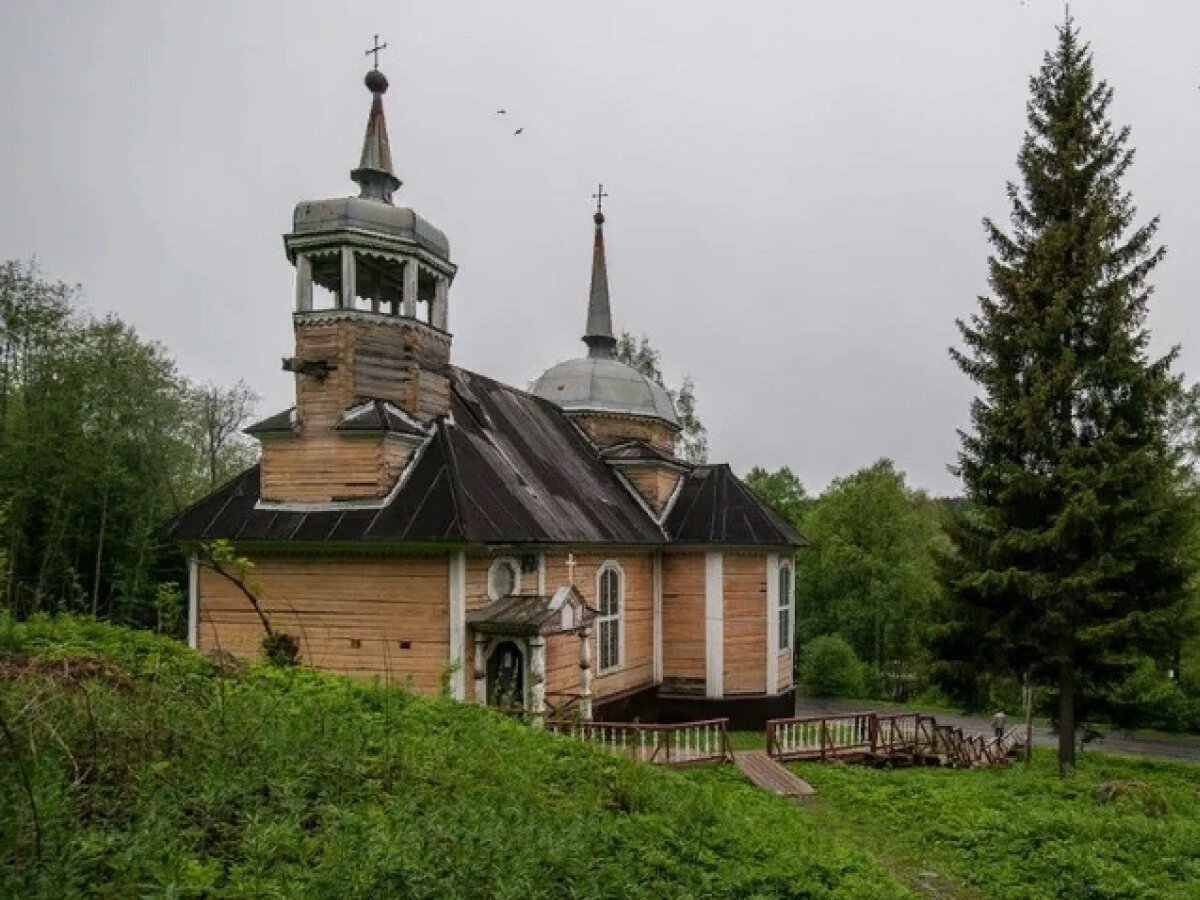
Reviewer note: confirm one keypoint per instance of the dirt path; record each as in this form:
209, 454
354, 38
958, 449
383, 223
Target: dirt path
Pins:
1186, 748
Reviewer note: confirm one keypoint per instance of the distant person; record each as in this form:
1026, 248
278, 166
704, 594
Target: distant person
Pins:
999, 720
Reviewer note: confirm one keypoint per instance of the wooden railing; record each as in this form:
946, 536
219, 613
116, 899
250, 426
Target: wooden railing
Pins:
562, 705
821, 737
906, 737
684, 743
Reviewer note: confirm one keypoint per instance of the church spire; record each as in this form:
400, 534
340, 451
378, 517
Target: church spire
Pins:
599, 336
374, 173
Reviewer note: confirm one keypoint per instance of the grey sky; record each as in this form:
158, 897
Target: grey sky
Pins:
796, 187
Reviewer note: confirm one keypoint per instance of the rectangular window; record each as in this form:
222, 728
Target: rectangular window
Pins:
785, 608
608, 591
609, 638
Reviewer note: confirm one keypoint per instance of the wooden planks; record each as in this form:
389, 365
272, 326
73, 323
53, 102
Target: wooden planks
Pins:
745, 592
637, 664
396, 611
372, 357
683, 616
607, 430
654, 483
330, 465
771, 776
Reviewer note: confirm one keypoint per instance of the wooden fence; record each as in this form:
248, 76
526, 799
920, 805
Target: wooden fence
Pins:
684, 743
908, 737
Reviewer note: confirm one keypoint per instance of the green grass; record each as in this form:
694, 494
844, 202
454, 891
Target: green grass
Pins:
154, 775
1012, 834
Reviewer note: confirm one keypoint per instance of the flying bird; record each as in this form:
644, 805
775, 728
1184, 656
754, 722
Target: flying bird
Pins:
502, 112
519, 130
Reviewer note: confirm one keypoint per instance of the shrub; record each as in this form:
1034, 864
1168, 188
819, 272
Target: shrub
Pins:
830, 668
281, 649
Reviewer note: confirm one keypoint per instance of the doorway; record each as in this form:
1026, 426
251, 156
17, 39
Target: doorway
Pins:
506, 676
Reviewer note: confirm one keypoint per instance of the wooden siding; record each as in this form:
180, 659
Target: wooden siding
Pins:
477, 578
654, 483
637, 664
329, 465
562, 663
784, 680
745, 656
328, 603
683, 621
375, 357
607, 430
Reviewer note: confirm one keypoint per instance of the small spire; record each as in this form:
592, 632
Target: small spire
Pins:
599, 336
374, 173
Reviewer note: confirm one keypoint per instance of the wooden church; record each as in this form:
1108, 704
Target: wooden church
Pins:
426, 524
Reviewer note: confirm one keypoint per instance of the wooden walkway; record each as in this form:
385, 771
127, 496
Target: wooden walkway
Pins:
771, 776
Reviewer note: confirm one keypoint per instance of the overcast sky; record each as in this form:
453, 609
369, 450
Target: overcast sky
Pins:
796, 188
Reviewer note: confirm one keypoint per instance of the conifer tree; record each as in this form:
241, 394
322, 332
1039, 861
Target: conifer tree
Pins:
1071, 560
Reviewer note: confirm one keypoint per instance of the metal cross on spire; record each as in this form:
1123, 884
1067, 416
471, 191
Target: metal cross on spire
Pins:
599, 198
378, 46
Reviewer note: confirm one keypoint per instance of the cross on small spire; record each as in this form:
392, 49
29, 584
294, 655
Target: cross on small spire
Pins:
378, 46
599, 198
571, 569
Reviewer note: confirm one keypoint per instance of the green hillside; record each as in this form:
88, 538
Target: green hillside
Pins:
130, 767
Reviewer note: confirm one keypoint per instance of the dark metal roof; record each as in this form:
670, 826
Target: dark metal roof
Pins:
379, 415
504, 467
639, 451
715, 507
530, 615
281, 421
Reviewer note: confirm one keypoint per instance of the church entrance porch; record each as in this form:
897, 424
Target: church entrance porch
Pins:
511, 636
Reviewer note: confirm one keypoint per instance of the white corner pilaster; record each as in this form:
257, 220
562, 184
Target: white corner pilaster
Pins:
537, 677
410, 288
441, 308
585, 674
458, 624
714, 625
772, 623
658, 601
303, 283
193, 632
541, 575
480, 673
349, 282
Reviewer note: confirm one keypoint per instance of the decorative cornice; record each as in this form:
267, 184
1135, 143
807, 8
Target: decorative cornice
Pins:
363, 241
331, 316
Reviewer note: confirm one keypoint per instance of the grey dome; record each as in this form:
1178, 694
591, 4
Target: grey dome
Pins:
600, 384
370, 217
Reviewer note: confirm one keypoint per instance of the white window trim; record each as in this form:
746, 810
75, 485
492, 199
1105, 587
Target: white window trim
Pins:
789, 605
611, 565
495, 564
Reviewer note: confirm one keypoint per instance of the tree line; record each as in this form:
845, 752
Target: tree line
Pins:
101, 441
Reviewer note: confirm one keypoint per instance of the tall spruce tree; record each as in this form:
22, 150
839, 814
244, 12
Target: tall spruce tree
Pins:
1071, 560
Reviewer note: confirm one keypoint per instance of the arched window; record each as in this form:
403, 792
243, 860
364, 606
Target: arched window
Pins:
504, 578
610, 597
786, 592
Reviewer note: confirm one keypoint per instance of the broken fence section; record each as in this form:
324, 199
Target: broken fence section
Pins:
875, 737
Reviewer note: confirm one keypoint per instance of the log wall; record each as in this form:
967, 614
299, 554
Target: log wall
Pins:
372, 357
654, 483
637, 665
327, 604
331, 466
683, 622
607, 430
745, 615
